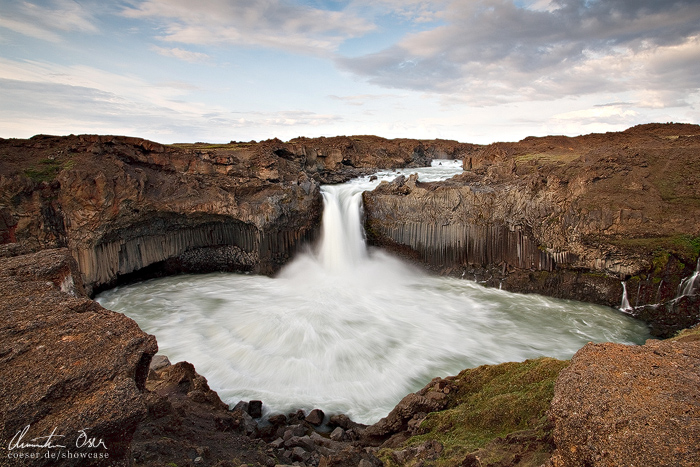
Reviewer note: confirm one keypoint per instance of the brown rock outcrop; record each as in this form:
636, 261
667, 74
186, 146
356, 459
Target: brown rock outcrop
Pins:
567, 217
629, 405
332, 154
125, 204
122, 204
188, 423
68, 368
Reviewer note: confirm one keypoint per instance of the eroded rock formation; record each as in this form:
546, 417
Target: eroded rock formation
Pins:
567, 217
122, 204
555, 215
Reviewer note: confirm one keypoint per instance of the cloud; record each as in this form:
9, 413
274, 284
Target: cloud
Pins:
493, 51
361, 99
180, 54
38, 97
276, 24
413, 11
608, 113
47, 22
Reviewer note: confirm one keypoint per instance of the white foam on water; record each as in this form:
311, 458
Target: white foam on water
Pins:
351, 330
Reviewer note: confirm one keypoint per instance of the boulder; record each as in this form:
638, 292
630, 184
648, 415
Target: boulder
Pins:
629, 405
255, 409
315, 417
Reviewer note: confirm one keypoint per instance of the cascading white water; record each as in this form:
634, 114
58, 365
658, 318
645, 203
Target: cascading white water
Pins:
351, 330
342, 243
625, 303
690, 285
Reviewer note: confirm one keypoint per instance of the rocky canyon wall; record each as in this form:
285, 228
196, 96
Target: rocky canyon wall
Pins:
126, 206
122, 205
566, 217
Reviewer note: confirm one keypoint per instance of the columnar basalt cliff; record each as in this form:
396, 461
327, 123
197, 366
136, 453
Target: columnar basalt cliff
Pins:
568, 217
124, 205
565, 216
121, 205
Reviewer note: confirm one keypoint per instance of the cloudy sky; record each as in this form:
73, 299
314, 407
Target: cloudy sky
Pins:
471, 70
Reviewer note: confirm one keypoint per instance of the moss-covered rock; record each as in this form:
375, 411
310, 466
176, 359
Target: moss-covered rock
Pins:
494, 414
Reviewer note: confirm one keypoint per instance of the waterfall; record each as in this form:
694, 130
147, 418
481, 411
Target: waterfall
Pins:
690, 284
342, 243
351, 329
625, 304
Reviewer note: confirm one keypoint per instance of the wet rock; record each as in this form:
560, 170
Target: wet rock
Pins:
399, 418
158, 362
337, 434
300, 454
294, 431
315, 417
255, 409
278, 420
346, 423
241, 406
296, 417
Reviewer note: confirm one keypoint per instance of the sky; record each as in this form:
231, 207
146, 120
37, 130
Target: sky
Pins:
475, 71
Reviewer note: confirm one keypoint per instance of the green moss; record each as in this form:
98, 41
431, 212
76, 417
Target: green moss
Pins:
491, 401
596, 274
45, 171
691, 334
683, 246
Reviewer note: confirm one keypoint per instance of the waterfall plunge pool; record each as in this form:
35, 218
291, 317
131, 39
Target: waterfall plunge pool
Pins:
349, 329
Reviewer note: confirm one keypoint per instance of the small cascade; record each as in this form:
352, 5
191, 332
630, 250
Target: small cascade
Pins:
625, 304
690, 285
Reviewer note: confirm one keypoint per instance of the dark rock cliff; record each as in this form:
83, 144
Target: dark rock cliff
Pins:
567, 217
126, 205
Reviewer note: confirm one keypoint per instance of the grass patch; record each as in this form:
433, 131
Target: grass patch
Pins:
228, 146
674, 137
547, 157
683, 246
491, 401
687, 335
45, 171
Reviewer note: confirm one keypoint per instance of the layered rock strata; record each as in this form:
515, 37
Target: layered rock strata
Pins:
567, 217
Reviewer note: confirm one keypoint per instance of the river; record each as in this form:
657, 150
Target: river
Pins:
350, 329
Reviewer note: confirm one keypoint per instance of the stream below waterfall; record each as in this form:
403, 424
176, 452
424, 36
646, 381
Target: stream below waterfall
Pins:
349, 329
